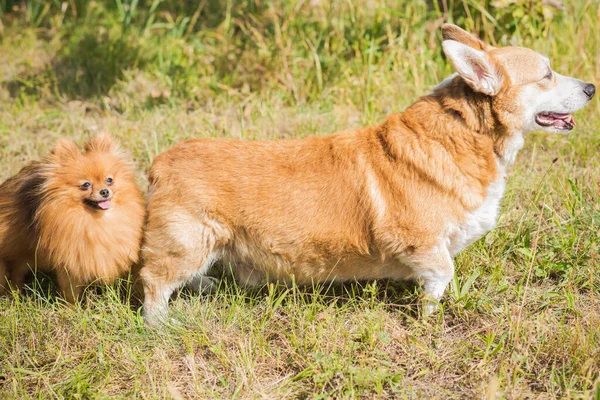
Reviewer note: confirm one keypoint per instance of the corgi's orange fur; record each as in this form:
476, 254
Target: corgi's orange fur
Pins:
398, 200
79, 214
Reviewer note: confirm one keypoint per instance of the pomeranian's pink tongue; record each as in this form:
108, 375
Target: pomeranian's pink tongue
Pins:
105, 205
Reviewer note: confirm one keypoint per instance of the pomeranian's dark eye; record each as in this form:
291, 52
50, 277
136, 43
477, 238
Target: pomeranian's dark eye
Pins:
109, 181
85, 186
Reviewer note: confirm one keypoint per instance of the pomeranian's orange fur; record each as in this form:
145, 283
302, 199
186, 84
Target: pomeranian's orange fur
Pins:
77, 213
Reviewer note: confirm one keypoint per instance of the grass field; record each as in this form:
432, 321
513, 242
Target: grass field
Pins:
522, 318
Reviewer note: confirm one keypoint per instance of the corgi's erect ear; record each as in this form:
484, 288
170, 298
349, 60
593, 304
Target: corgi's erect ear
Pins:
475, 67
65, 150
102, 142
453, 32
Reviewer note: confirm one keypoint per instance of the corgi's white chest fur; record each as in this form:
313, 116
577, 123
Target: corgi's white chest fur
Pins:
482, 220
479, 221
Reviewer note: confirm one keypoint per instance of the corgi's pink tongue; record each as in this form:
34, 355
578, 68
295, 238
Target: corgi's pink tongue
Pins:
565, 117
557, 119
105, 205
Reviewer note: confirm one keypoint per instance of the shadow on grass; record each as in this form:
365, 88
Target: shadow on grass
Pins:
41, 285
88, 66
389, 295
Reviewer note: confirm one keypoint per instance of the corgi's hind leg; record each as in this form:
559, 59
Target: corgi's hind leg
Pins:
179, 249
162, 276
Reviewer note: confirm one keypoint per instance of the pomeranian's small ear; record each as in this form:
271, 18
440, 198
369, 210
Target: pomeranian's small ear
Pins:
65, 149
102, 142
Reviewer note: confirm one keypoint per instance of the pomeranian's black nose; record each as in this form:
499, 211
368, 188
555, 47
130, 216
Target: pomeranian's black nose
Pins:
104, 193
589, 89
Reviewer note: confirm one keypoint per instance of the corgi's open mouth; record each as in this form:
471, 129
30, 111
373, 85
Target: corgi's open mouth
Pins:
99, 205
557, 120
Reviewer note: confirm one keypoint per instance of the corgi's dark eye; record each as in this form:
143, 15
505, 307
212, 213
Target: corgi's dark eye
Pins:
109, 181
85, 186
548, 75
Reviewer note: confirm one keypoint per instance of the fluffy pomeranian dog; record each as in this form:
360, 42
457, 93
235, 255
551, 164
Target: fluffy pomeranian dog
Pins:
77, 213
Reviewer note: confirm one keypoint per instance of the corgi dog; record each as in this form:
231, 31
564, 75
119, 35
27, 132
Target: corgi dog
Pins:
394, 201
77, 214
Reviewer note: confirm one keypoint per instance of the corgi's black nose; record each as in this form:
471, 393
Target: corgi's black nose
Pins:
104, 193
589, 89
